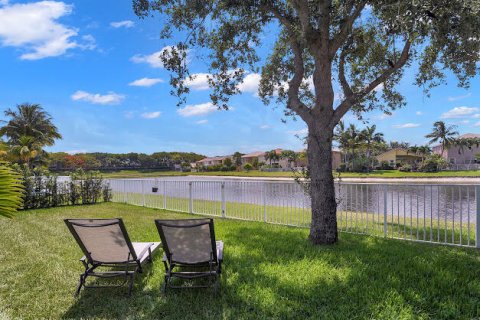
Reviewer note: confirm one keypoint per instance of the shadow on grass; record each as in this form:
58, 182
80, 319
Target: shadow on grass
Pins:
274, 272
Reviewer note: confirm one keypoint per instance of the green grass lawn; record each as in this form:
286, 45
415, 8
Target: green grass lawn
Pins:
398, 226
270, 271
255, 173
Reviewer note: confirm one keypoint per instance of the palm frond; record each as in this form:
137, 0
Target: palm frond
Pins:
11, 191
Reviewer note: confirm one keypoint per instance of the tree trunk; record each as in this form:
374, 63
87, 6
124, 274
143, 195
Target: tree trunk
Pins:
323, 229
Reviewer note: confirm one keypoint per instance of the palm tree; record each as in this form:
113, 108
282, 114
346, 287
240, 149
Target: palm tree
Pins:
443, 134
25, 150
290, 155
272, 156
30, 120
10, 191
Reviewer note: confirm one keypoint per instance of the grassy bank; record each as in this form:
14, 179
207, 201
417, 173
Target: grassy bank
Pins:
421, 227
270, 272
255, 173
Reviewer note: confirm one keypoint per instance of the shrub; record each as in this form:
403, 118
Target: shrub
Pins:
248, 166
405, 168
433, 163
384, 165
44, 190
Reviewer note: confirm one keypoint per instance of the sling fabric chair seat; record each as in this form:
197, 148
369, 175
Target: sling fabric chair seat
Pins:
105, 243
190, 244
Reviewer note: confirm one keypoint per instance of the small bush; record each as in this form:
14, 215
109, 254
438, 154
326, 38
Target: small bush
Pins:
433, 163
248, 167
405, 168
384, 165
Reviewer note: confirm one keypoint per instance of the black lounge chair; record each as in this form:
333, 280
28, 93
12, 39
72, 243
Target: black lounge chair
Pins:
105, 243
190, 245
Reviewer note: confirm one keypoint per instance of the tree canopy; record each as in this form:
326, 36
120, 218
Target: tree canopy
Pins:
324, 59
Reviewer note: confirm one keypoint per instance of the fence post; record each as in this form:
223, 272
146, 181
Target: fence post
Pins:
385, 229
190, 197
264, 200
124, 191
477, 221
165, 194
143, 192
224, 204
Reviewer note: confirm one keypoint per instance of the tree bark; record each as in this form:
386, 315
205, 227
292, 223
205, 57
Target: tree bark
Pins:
323, 229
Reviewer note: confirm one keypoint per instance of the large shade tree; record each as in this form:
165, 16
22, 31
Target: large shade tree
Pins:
358, 47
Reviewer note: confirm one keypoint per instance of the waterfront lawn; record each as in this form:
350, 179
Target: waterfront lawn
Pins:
255, 173
270, 272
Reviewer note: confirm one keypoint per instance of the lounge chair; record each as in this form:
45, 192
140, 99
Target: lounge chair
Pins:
105, 243
190, 245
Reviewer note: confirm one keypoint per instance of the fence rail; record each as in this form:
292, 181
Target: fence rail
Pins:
445, 214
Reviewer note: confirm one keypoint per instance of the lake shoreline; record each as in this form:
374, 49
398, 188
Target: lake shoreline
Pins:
429, 180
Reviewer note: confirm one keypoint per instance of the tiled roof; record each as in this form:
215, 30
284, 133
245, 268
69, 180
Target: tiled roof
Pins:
469, 135
254, 154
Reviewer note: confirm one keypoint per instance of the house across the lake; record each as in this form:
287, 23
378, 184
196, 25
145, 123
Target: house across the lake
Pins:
460, 158
260, 157
399, 156
211, 161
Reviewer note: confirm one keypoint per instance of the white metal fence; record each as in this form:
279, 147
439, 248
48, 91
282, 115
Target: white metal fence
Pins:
446, 214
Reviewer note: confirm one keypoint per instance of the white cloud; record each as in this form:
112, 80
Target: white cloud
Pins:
34, 28
406, 125
383, 116
199, 81
299, 132
459, 112
145, 82
3, 2
419, 113
129, 114
463, 122
265, 127
151, 115
124, 23
477, 124
204, 121
109, 98
197, 109
250, 83
459, 97
152, 59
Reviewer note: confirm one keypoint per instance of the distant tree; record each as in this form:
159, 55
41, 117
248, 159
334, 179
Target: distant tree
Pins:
443, 134
361, 46
24, 150
271, 156
290, 155
227, 162
398, 145
32, 121
237, 158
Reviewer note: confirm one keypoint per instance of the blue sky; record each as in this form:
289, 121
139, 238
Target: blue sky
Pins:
91, 65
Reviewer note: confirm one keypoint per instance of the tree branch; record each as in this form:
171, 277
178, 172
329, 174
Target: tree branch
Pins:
294, 103
356, 97
345, 28
347, 90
